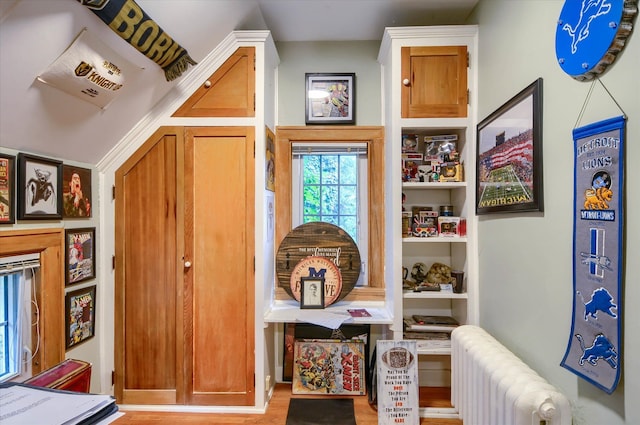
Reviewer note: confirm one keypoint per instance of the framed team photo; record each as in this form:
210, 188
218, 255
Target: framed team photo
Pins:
39, 188
80, 247
80, 316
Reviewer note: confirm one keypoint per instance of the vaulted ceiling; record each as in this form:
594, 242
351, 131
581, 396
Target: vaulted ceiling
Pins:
40, 119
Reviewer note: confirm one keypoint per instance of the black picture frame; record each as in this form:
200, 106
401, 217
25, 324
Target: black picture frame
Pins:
80, 316
80, 249
311, 293
7, 189
509, 155
330, 98
76, 192
39, 188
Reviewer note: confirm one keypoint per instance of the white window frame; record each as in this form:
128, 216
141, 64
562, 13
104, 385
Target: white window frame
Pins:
23, 268
363, 192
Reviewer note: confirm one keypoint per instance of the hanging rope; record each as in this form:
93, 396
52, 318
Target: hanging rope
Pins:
586, 101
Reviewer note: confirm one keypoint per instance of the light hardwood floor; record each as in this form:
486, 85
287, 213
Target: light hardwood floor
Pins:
277, 412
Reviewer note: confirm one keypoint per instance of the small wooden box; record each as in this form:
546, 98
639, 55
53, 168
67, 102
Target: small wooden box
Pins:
70, 375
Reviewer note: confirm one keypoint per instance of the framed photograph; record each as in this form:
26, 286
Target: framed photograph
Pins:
311, 292
39, 188
7, 189
330, 98
76, 192
509, 155
80, 316
80, 246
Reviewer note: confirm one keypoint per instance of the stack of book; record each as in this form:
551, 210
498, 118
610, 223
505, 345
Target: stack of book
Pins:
28, 404
431, 332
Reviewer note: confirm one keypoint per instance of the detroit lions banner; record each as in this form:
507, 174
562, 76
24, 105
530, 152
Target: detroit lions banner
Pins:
90, 70
127, 19
593, 351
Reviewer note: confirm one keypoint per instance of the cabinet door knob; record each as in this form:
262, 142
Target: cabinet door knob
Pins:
406, 82
187, 264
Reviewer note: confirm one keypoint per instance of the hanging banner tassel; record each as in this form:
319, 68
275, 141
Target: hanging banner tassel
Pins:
130, 22
593, 351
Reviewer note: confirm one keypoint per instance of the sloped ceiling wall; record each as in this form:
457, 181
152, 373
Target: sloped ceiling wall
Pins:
42, 120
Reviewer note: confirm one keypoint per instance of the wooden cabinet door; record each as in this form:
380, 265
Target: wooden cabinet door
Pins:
229, 92
219, 284
184, 269
434, 82
147, 358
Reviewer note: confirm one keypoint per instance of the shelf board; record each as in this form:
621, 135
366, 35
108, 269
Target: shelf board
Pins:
435, 239
289, 312
434, 185
435, 351
434, 294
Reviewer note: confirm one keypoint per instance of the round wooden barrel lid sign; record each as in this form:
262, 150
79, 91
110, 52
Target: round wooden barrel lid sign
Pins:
321, 246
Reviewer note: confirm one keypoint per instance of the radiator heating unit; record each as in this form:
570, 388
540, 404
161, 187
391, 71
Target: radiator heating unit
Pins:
490, 385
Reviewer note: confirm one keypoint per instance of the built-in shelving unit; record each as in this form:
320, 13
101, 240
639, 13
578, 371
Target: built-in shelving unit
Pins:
402, 48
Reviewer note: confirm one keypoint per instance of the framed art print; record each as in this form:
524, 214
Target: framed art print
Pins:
7, 189
80, 247
76, 192
330, 98
509, 161
39, 188
80, 316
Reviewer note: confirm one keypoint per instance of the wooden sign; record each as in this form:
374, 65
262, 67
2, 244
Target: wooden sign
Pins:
318, 239
398, 388
317, 267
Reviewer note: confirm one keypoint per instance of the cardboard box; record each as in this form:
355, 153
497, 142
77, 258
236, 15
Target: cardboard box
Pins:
451, 172
449, 226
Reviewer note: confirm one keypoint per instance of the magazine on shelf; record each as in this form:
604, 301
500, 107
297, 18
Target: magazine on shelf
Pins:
410, 324
435, 320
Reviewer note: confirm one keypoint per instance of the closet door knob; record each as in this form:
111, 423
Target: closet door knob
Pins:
187, 264
406, 82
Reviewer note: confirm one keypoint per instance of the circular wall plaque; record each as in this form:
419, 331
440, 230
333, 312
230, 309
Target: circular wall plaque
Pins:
317, 267
590, 34
319, 239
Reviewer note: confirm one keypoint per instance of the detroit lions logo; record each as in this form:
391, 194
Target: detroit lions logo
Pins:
601, 349
589, 11
598, 260
601, 300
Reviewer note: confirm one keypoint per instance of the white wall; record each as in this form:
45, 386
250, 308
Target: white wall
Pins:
298, 58
526, 259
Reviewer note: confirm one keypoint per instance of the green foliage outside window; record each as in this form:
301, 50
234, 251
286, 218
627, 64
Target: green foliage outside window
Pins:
330, 190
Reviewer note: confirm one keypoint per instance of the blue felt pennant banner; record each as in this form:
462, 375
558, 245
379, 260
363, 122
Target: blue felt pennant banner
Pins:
593, 351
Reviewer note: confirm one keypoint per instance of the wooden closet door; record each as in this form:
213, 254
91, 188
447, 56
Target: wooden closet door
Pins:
147, 360
219, 265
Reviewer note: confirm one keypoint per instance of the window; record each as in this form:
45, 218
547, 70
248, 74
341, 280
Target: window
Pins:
369, 194
329, 184
16, 276
48, 288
